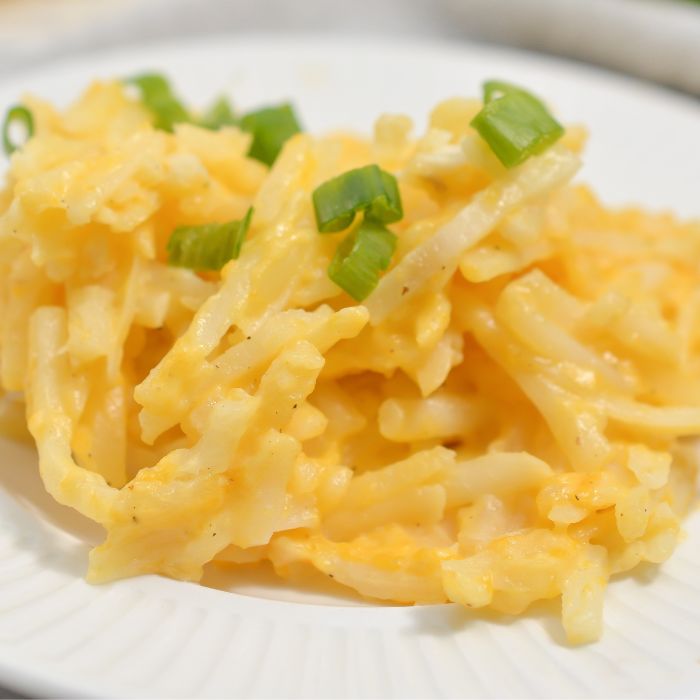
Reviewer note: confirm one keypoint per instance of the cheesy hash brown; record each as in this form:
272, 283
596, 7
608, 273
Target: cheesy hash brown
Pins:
504, 418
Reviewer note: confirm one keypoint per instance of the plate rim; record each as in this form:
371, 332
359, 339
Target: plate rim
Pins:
390, 44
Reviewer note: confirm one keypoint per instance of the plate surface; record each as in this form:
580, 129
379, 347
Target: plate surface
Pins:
155, 637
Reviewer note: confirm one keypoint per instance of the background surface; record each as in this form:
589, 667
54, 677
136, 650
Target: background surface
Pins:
655, 39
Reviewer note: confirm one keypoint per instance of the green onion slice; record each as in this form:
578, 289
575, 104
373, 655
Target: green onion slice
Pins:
159, 98
207, 247
218, 115
514, 123
361, 256
271, 127
369, 189
493, 89
18, 114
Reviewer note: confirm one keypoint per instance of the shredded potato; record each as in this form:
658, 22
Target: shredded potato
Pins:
505, 420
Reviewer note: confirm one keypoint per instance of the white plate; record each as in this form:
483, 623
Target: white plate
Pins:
155, 637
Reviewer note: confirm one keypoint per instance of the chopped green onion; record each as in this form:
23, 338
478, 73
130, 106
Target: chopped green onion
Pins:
159, 98
369, 189
207, 247
360, 257
271, 127
218, 115
18, 114
514, 123
493, 89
